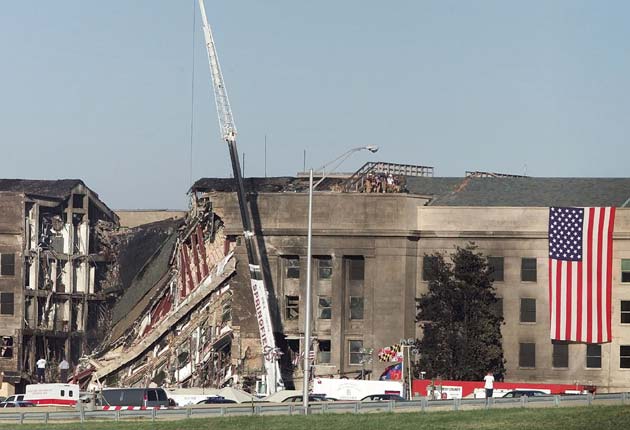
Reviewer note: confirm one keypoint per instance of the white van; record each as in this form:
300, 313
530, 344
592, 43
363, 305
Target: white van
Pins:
52, 394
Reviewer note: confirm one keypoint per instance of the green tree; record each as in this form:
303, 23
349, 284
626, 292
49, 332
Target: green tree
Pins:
461, 321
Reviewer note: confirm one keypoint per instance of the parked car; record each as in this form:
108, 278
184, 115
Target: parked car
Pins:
215, 400
383, 398
311, 398
16, 404
14, 398
524, 393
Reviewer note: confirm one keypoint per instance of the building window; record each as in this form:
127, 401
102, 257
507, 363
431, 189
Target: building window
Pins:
6, 303
356, 308
292, 265
6, 349
625, 270
498, 307
429, 264
356, 268
528, 310
324, 267
560, 357
292, 309
527, 355
593, 356
496, 264
226, 312
528, 270
325, 307
323, 353
7, 264
625, 312
356, 351
624, 356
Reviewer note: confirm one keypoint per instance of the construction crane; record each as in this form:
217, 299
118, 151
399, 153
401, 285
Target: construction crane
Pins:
270, 352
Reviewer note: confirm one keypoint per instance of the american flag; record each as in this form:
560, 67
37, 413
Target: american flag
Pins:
580, 273
297, 358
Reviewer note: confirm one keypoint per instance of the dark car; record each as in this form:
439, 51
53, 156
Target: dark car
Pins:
215, 400
17, 404
383, 398
311, 398
143, 397
524, 393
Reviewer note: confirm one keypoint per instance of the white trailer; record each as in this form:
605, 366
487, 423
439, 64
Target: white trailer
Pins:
354, 389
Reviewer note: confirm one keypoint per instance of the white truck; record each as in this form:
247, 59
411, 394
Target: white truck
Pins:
354, 389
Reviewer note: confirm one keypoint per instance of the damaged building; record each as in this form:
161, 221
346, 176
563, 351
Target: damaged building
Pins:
52, 262
174, 324
182, 312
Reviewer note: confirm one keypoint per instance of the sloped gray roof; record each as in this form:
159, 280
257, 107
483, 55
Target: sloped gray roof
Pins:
57, 189
532, 192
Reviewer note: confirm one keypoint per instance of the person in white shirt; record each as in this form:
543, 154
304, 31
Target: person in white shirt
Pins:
489, 384
41, 370
64, 366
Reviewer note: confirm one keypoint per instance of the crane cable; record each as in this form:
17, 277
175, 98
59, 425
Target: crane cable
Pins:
192, 94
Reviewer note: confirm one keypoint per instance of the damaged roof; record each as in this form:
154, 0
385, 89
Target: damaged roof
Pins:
54, 189
59, 189
261, 185
146, 256
467, 191
140, 244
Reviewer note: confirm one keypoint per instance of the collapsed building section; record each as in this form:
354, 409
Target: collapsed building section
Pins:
53, 261
173, 326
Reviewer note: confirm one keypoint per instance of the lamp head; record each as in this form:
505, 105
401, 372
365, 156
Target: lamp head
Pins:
372, 148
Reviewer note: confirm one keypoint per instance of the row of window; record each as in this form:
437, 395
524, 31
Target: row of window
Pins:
324, 308
560, 356
324, 267
529, 271
526, 357
528, 310
528, 268
356, 353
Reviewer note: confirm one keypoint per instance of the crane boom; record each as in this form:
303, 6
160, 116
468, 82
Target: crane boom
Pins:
259, 290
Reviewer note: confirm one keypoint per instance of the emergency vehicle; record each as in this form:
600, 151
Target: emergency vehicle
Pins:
52, 394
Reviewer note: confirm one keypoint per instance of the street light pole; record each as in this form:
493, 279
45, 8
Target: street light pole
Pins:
309, 256
309, 293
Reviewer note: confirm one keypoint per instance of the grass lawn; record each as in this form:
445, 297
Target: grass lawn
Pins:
591, 418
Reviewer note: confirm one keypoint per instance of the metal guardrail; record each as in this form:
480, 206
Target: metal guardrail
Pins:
244, 409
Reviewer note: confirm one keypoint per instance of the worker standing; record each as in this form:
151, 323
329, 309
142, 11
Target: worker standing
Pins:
41, 370
64, 366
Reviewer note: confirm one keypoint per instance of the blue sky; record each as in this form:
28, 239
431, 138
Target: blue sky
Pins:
102, 90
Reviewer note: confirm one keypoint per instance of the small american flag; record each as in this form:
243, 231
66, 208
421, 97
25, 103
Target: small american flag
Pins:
580, 273
300, 357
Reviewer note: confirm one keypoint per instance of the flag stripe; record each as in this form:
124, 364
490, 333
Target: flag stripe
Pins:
589, 285
611, 227
603, 332
558, 304
552, 303
600, 253
575, 280
567, 329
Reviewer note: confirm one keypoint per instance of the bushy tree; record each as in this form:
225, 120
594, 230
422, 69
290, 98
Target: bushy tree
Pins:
462, 323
